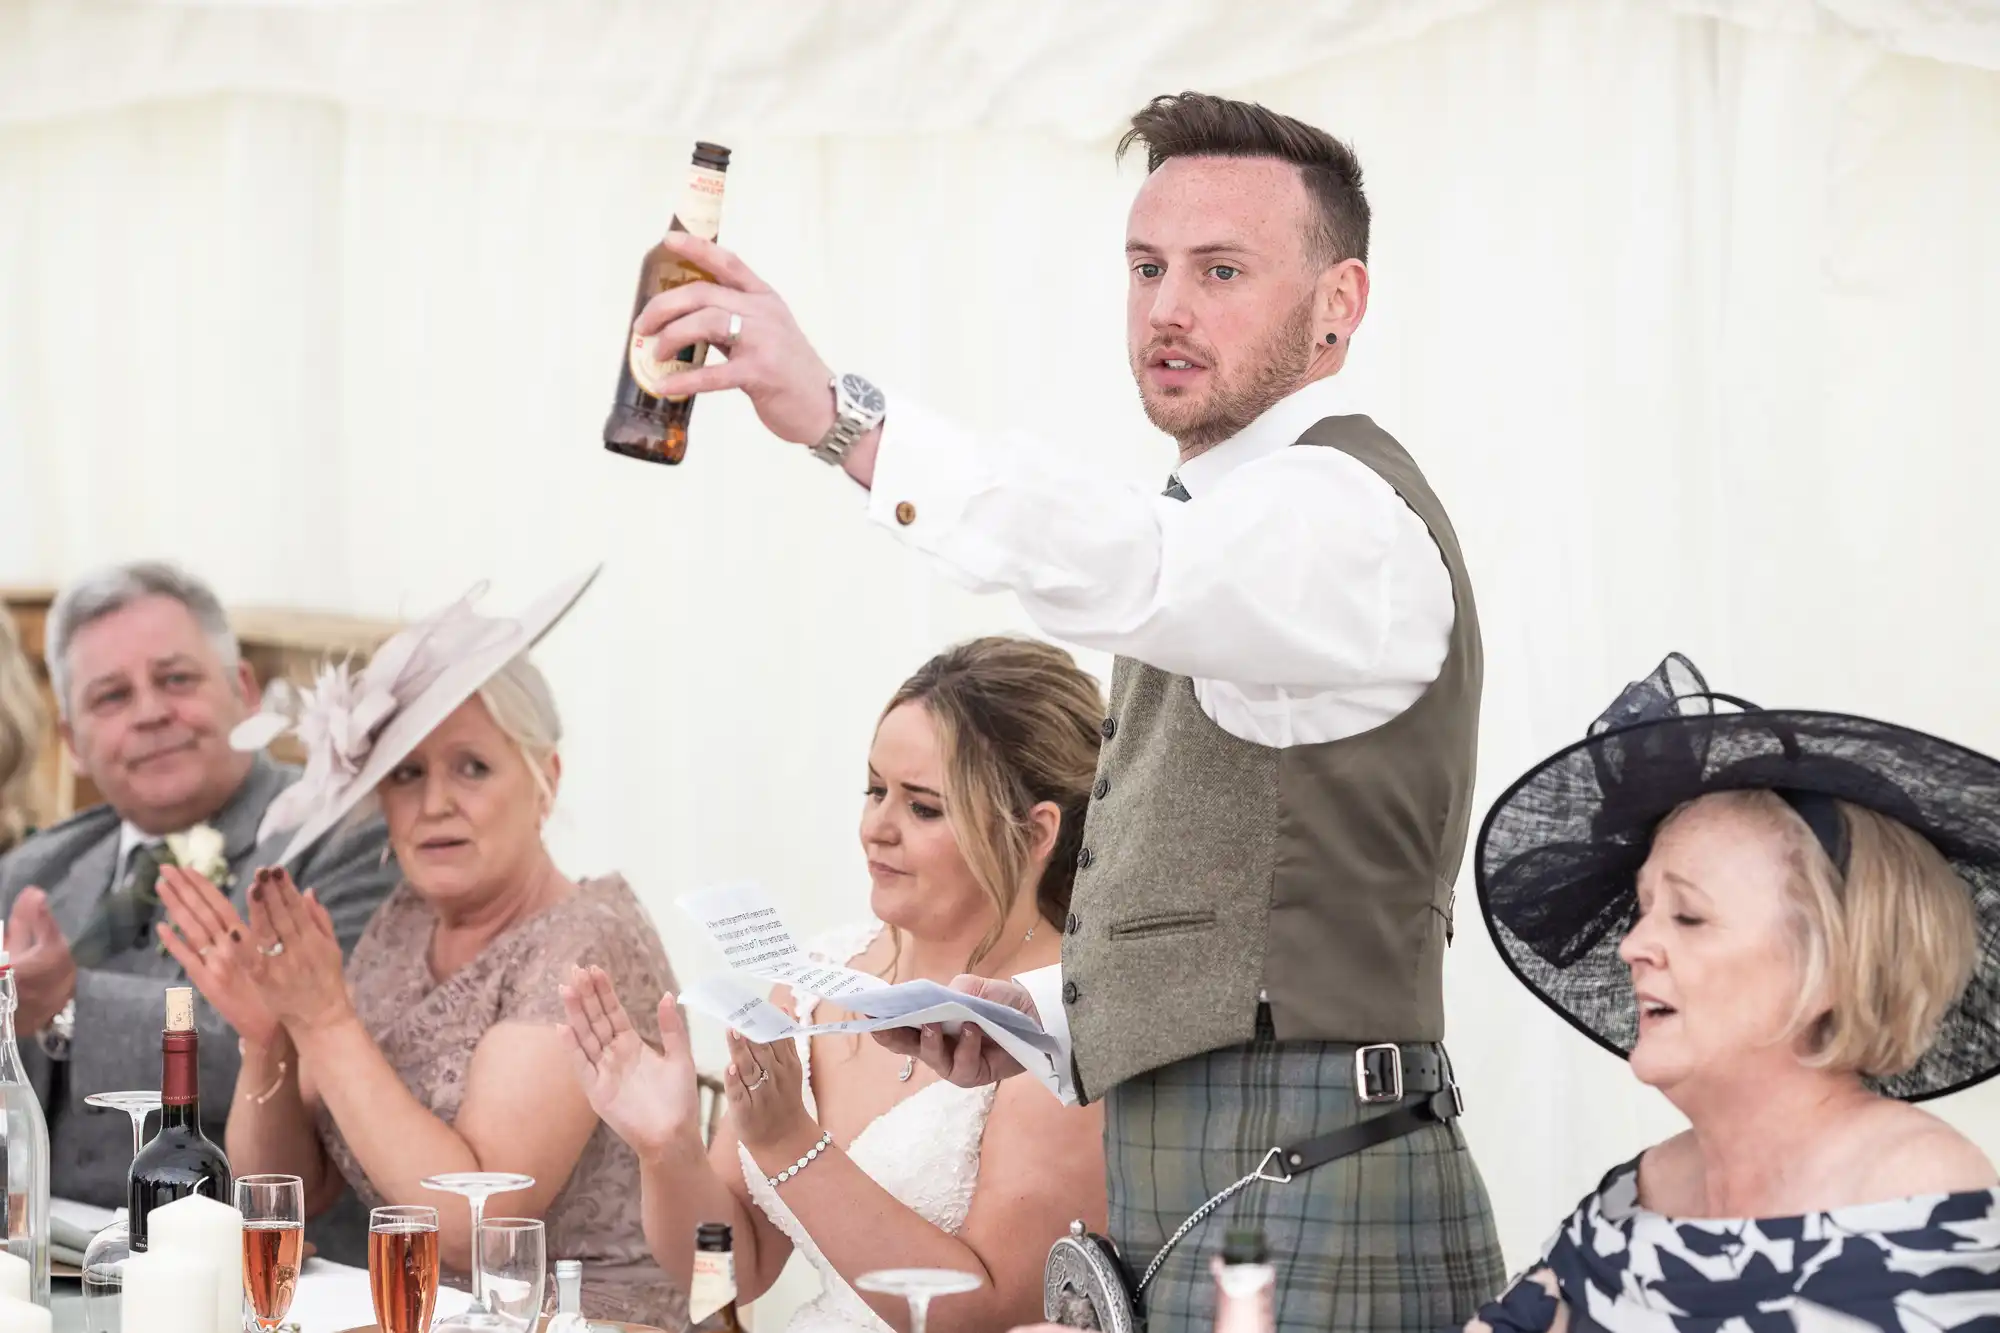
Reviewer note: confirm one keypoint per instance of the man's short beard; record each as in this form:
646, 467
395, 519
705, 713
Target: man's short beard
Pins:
1272, 374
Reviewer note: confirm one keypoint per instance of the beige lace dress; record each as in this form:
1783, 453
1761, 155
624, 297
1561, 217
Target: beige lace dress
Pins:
428, 1028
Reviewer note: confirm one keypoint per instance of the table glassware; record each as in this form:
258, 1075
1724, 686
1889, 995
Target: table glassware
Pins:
104, 1258
477, 1187
274, 1245
403, 1267
919, 1287
510, 1254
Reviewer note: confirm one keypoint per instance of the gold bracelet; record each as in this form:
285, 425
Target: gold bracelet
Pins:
284, 1067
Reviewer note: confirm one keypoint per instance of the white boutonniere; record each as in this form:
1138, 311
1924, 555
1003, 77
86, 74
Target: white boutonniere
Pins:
203, 851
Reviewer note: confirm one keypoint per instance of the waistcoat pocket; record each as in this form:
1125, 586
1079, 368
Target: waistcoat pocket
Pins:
1156, 924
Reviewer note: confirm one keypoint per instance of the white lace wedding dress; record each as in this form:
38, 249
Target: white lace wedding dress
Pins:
924, 1150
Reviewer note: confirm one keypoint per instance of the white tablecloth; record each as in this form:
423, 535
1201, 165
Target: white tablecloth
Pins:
331, 1297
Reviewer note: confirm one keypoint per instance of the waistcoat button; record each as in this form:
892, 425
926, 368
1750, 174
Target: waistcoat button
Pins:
1102, 789
1069, 992
1070, 926
1084, 858
1109, 728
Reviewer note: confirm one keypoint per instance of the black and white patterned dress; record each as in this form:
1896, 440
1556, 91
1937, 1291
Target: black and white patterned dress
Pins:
1931, 1262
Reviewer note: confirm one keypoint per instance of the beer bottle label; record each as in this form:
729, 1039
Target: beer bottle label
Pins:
700, 215
714, 1284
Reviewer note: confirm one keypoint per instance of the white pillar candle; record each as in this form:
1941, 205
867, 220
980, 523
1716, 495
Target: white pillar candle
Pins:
174, 1289
14, 1275
23, 1316
202, 1229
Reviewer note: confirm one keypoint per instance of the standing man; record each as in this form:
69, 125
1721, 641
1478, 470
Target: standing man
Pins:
1264, 895
149, 683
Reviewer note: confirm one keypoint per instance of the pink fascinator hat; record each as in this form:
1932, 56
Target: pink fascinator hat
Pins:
357, 725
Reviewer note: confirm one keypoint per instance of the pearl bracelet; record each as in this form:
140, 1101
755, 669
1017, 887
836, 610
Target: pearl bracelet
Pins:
825, 1142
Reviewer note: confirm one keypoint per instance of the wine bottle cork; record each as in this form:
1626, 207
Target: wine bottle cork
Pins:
180, 1009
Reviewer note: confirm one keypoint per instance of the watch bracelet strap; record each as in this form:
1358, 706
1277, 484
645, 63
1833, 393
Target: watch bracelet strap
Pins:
841, 436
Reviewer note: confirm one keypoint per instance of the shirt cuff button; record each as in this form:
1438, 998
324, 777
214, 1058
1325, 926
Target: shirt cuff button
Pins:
906, 513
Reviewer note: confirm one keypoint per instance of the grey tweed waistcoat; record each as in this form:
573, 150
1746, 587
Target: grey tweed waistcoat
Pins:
1320, 876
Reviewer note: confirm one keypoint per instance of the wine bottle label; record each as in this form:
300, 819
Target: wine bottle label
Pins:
714, 1284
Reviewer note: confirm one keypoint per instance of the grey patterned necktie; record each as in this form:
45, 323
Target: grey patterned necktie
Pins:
1175, 491
123, 920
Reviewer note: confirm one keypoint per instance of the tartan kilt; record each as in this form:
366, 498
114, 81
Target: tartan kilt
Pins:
1398, 1238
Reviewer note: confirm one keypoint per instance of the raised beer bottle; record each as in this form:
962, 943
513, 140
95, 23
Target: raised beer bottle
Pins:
647, 419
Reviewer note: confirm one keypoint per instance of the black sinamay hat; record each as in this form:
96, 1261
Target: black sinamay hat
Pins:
1559, 854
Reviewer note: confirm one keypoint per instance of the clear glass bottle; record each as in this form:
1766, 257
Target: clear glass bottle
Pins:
25, 1136
568, 1317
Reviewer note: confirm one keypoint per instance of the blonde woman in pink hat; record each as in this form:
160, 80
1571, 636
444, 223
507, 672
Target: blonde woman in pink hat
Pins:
436, 1049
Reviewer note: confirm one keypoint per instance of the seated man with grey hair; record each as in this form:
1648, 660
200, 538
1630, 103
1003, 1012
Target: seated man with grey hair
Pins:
149, 682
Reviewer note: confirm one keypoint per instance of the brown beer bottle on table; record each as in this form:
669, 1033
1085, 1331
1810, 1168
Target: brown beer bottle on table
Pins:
647, 419
712, 1294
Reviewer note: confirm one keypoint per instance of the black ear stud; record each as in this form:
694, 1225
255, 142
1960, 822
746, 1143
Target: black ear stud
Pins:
1332, 338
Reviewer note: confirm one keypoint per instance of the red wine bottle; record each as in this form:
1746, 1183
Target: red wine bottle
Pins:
181, 1160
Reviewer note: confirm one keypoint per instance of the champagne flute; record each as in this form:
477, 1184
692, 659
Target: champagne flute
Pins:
104, 1259
274, 1245
478, 1187
403, 1267
510, 1255
919, 1287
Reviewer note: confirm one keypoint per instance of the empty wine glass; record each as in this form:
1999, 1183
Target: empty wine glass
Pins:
919, 1287
274, 1245
478, 1187
104, 1259
510, 1254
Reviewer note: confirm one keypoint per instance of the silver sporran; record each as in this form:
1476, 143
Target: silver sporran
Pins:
1085, 1285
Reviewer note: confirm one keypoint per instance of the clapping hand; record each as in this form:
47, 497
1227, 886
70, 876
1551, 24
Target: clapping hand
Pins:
206, 938
44, 968
766, 1088
296, 964
650, 1098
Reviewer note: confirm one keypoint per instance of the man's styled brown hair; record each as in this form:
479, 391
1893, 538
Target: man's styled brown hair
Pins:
1202, 125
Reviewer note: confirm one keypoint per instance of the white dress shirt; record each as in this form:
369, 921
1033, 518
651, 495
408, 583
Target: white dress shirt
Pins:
131, 839
1304, 597
1306, 600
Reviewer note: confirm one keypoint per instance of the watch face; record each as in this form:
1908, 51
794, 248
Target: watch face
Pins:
864, 395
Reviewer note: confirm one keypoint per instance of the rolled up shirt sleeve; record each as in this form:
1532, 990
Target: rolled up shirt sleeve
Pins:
1291, 573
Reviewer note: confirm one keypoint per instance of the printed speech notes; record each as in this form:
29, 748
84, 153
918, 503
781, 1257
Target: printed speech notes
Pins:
761, 952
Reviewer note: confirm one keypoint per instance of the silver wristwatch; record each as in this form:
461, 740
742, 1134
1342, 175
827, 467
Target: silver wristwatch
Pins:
858, 407
55, 1038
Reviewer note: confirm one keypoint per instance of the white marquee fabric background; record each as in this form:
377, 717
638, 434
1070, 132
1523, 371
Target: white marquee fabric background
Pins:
1688, 309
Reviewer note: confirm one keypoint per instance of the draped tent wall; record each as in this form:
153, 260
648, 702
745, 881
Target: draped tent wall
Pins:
1686, 308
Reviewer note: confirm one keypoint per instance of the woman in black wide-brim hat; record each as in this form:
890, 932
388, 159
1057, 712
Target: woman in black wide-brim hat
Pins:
1789, 923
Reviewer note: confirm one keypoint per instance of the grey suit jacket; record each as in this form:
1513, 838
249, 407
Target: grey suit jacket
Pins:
120, 1007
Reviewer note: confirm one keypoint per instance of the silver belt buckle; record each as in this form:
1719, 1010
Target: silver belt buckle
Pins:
1365, 1080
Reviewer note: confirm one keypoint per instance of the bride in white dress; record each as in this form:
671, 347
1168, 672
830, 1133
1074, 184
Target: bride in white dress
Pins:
978, 779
